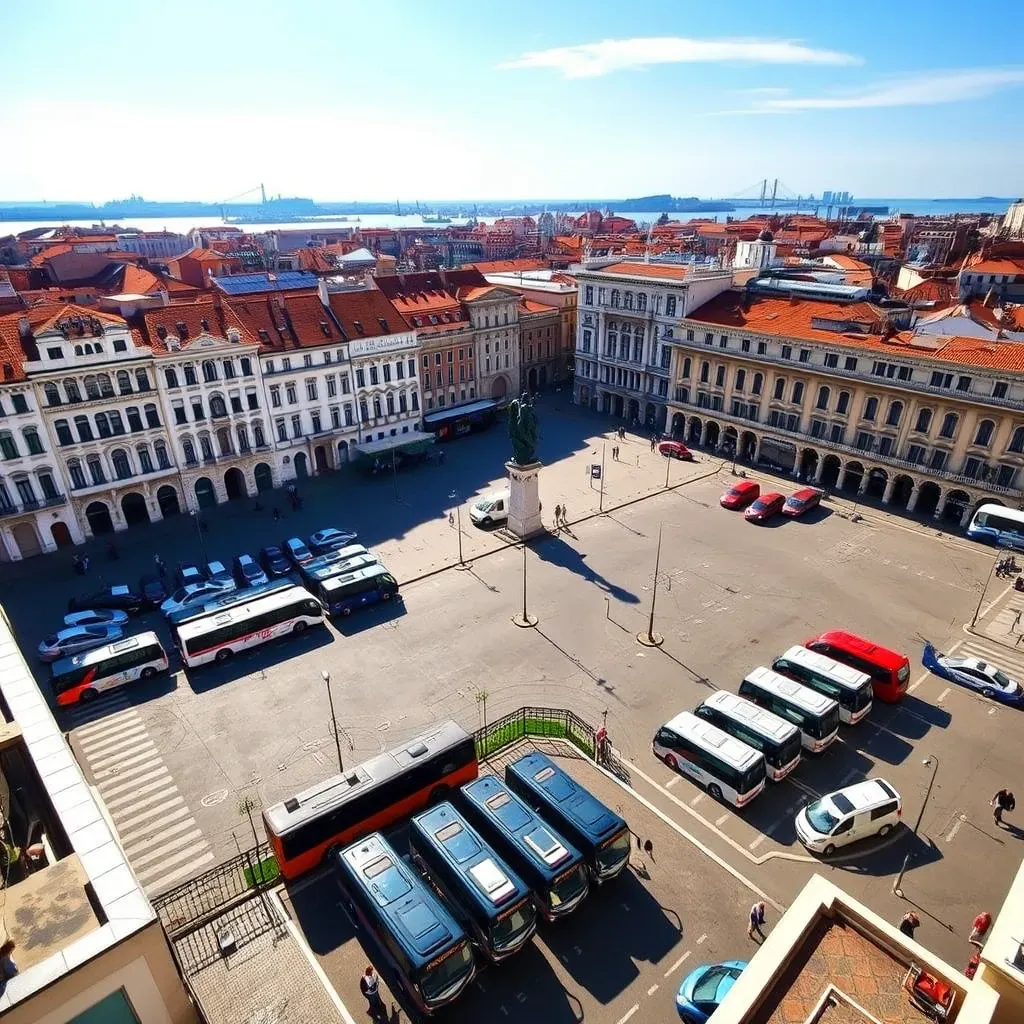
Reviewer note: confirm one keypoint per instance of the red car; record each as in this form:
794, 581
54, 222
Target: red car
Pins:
740, 495
765, 507
801, 501
675, 450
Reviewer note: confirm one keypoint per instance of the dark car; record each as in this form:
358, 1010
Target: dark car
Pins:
331, 539
248, 572
802, 501
297, 550
274, 562
153, 588
765, 507
187, 574
121, 597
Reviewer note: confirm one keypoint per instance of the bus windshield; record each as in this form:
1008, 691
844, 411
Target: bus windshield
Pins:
446, 973
753, 777
614, 851
511, 925
568, 886
820, 726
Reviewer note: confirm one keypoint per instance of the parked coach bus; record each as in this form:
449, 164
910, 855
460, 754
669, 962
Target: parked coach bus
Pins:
83, 677
848, 687
776, 738
219, 634
598, 833
461, 419
336, 563
343, 594
369, 797
488, 898
998, 525
554, 871
816, 716
235, 597
889, 670
415, 933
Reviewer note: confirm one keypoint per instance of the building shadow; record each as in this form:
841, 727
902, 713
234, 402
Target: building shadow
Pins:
382, 614
912, 718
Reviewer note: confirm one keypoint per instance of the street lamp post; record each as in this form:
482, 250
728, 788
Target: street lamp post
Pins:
454, 496
863, 480
326, 677
650, 638
668, 463
984, 589
933, 762
526, 620
600, 500
194, 513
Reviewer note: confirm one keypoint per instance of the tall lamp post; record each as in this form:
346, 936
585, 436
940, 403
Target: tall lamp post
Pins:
194, 513
984, 589
863, 480
933, 762
326, 677
650, 638
454, 496
525, 620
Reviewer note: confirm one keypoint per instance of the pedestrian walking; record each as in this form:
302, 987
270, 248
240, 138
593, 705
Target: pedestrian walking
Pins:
369, 985
653, 442
276, 513
756, 920
565, 515
909, 923
979, 928
160, 567
76, 563
1016, 620
85, 564
1002, 801
558, 514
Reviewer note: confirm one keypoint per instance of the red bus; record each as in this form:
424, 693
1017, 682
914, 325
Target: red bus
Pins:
369, 797
889, 670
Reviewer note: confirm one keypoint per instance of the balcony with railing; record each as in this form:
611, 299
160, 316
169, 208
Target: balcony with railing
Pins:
35, 505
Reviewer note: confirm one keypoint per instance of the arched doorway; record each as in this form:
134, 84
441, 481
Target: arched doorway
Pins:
301, 465
808, 464
633, 411
61, 534
27, 539
618, 406
928, 498
748, 445
205, 494
852, 478
877, 481
320, 458
264, 477
342, 452
957, 503
134, 510
678, 425
830, 469
531, 379
730, 438
499, 389
99, 518
234, 484
696, 428
167, 499
901, 491
711, 434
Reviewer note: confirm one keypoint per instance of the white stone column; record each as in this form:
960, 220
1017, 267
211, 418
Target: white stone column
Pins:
819, 471
890, 486
966, 517
862, 487
915, 493
841, 479
941, 506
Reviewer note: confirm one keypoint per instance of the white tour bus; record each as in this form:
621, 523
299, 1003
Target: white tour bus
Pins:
84, 677
776, 738
850, 688
215, 637
816, 715
999, 525
729, 769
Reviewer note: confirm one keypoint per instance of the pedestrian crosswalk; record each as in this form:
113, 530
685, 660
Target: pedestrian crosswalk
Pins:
161, 838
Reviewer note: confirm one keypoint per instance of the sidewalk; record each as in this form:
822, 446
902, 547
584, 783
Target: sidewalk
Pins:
1002, 618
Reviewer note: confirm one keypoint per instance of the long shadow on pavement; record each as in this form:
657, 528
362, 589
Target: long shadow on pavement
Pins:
557, 552
912, 718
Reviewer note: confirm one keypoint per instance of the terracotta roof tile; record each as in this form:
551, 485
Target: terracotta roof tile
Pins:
11, 353
661, 271
1003, 265
366, 313
203, 316
531, 306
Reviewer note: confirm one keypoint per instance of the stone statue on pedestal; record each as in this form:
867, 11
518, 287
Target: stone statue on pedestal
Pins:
522, 430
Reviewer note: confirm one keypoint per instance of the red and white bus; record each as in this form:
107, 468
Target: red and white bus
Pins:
225, 631
369, 797
84, 677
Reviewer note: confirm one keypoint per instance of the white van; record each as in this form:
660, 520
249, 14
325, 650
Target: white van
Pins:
490, 510
871, 808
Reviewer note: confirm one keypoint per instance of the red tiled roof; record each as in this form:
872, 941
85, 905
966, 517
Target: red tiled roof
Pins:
788, 318
845, 262
531, 306
166, 321
369, 308
204, 255
509, 266
11, 352
662, 271
996, 266
932, 289
54, 250
287, 321
478, 292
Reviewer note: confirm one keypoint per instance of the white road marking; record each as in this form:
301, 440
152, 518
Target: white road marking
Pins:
149, 759
702, 939
757, 842
722, 820
169, 844
104, 745
98, 720
697, 799
956, 828
160, 808
126, 799
629, 1013
671, 782
994, 601
110, 791
147, 844
164, 883
652, 989
679, 963
138, 746
942, 696
119, 772
163, 861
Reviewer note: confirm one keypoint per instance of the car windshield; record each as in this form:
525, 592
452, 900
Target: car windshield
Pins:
760, 505
821, 818
795, 502
706, 990
1005, 681
50, 640
179, 595
613, 852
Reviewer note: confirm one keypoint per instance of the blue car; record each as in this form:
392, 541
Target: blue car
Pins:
704, 989
974, 674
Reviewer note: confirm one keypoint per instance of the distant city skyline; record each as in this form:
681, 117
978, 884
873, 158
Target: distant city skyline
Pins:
372, 102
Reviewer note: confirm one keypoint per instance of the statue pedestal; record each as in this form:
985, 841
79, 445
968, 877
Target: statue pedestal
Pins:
524, 499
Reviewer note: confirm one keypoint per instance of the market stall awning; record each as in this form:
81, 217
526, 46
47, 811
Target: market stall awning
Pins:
414, 443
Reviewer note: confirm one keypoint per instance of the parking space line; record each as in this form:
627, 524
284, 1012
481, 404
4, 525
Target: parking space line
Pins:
722, 820
942, 696
679, 963
697, 799
956, 828
629, 1013
702, 939
757, 842
671, 782
652, 989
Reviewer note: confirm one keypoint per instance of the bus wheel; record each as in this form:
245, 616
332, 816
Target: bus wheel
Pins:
714, 792
148, 672
299, 627
346, 611
670, 761
223, 654
386, 596
88, 696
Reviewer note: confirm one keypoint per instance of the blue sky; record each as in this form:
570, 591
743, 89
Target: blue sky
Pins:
424, 99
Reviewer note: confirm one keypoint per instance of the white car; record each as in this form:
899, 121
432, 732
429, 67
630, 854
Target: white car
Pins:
870, 808
490, 510
195, 594
76, 640
97, 617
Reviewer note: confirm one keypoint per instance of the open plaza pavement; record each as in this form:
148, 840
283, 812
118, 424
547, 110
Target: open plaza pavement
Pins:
174, 757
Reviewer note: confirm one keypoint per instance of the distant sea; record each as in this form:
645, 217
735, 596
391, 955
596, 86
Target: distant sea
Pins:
919, 207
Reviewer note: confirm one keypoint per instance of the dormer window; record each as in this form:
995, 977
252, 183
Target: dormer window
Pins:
161, 332
383, 324
325, 327
182, 329
358, 325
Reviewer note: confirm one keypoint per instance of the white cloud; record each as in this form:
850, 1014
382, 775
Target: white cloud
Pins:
928, 89
590, 60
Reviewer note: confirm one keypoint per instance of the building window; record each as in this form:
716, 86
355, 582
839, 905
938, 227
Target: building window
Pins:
762, 348
798, 392
161, 455
361, 378
76, 473
963, 384
924, 421
831, 360
275, 396
8, 449
49, 488
787, 351
374, 380
307, 359
289, 393
190, 451
377, 413
141, 380
246, 366
843, 402
780, 388
206, 447
197, 408
242, 433
217, 407
805, 355
84, 428
311, 390
390, 402
296, 425
588, 295
52, 394
983, 435
895, 412
402, 403
35, 446
145, 459
229, 369
103, 425
824, 394
315, 419
64, 432
236, 403
1006, 476
1017, 441
758, 383
332, 386
705, 372
741, 379
938, 459
949, 423
670, 306
95, 469
416, 399
850, 363
190, 374
364, 412
282, 430
871, 409
170, 377
209, 371
720, 376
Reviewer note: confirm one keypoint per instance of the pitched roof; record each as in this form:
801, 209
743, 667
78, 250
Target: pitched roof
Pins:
366, 313
532, 306
186, 321
11, 353
509, 266
844, 262
477, 292
290, 321
1003, 265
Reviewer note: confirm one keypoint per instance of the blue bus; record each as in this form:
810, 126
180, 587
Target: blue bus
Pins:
244, 595
554, 871
419, 938
491, 901
600, 834
341, 595
336, 563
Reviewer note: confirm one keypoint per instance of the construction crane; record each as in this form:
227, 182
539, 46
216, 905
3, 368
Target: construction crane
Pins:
247, 192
